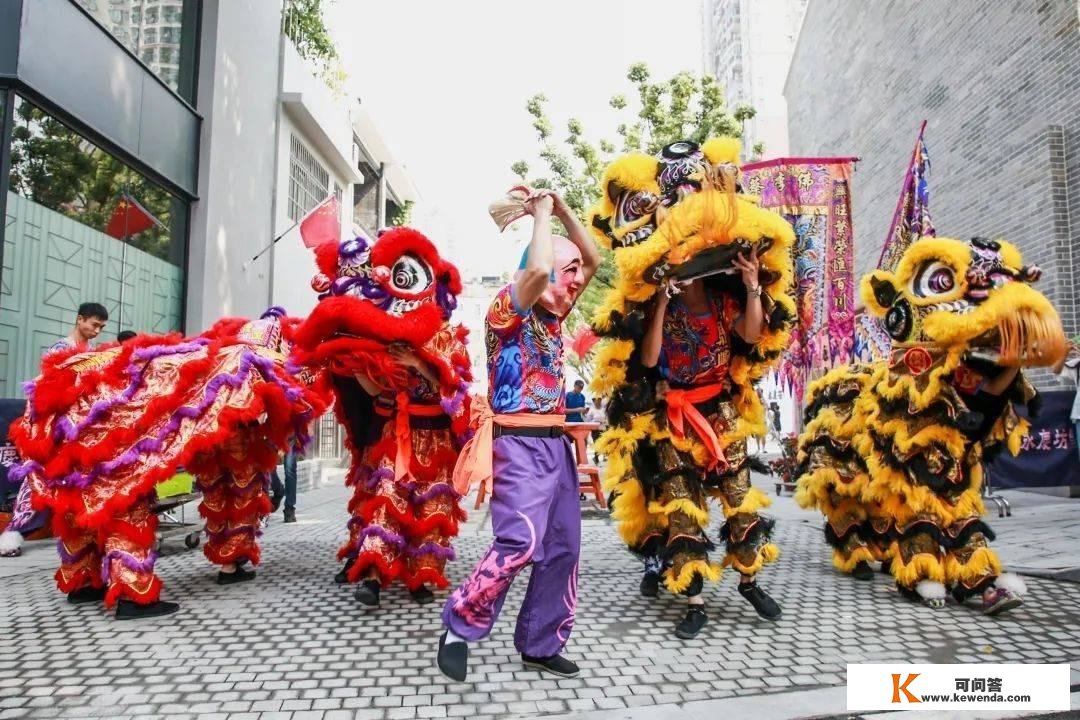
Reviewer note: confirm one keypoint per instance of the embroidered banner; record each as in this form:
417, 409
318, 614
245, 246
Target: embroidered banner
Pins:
814, 195
1048, 453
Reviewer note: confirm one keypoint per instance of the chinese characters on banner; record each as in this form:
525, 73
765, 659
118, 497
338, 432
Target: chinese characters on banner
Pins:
814, 195
1048, 453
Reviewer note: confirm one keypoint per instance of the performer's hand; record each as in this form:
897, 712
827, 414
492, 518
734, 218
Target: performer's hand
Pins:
404, 355
748, 268
539, 203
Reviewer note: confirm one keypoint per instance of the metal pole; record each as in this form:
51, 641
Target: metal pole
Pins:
7, 116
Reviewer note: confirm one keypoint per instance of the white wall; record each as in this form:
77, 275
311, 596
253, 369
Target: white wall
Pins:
238, 91
294, 264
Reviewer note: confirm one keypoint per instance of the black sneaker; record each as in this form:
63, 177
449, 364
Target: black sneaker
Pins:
86, 595
862, 571
275, 501
422, 595
238, 575
691, 624
290, 515
766, 607
128, 610
556, 665
368, 594
650, 584
343, 574
453, 659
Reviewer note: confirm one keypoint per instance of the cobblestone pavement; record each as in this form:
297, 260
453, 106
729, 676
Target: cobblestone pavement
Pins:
293, 645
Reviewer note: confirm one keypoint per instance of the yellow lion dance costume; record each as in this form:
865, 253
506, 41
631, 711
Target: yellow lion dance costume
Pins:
673, 218
892, 451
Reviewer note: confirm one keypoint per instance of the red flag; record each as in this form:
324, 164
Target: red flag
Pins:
322, 224
129, 218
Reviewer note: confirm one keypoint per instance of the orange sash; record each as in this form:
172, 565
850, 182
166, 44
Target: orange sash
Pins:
680, 407
403, 431
474, 463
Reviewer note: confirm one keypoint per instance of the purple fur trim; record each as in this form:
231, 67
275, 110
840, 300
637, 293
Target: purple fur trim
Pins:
274, 311
69, 431
68, 558
376, 477
441, 489
154, 444
447, 300
429, 548
20, 472
129, 561
453, 404
387, 536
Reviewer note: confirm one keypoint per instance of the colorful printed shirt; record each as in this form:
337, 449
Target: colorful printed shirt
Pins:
525, 357
696, 349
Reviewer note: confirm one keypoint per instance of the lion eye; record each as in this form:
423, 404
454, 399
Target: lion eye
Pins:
935, 278
632, 206
410, 274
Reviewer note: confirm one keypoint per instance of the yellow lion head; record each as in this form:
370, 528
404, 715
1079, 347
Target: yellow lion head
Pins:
975, 296
679, 214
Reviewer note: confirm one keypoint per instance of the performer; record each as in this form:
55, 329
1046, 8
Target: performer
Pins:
681, 370
400, 377
520, 449
90, 320
104, 427
892, 452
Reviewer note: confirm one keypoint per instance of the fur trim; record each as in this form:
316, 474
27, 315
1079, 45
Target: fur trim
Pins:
1011, 582
698, 514
921, 567
930, 590
678, 583
846, 562
10, 541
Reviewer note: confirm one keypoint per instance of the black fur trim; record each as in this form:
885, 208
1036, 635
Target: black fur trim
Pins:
909, 593
961, 593
968, 530
759, 534
694, 546
922, 527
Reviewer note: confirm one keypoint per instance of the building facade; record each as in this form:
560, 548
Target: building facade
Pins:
999, 86
203, 112
747, 46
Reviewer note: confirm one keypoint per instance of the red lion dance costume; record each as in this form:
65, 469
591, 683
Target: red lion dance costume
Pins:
400, 375
103, 427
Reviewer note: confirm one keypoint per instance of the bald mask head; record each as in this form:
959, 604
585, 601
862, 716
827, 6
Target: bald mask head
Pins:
566, 280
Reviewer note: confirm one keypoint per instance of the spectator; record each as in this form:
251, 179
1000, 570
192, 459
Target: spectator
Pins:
90, 320
575, 403
286, 490
124, 335
597, 413
775, 427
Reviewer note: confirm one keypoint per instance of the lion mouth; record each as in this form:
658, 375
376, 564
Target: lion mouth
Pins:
1021, 339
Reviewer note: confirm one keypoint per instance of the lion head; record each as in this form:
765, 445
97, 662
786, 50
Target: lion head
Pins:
973, 296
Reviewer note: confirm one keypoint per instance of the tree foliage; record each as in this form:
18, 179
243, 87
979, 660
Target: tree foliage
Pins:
403, 214
54, 166
683, 107
304, 23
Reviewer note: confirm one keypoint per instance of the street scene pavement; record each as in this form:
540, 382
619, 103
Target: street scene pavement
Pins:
293, 645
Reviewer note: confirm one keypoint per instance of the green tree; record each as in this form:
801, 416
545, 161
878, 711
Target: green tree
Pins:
403, 215
684, 107
304, 23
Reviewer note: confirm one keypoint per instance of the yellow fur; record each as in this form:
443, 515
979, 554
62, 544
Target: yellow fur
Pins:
983, 562
676, 584
768, 554
846, 564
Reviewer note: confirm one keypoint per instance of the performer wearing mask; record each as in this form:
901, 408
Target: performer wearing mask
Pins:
520, 446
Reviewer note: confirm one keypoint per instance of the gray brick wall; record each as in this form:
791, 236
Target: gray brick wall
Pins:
998, 83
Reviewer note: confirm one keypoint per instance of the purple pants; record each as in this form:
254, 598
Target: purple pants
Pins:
536, 517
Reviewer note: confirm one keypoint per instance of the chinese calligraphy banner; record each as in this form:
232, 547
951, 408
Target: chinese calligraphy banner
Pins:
814, 195
1048, 455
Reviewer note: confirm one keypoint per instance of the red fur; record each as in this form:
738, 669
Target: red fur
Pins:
118, 590
326, 258
217, 556
370, 559
425, 575
392, 244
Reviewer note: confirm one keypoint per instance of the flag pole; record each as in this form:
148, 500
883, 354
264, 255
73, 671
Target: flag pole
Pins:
123, 253
292, 227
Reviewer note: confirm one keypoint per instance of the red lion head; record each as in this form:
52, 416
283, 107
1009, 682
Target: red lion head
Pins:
396, 289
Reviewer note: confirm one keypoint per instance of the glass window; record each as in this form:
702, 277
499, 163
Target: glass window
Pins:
136, 25
148, 55
168, 56
309, 182
81, 227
